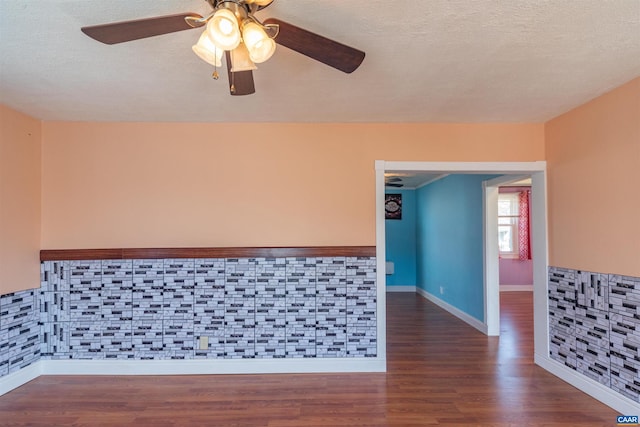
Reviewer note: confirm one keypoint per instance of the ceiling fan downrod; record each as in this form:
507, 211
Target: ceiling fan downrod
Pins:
251, 6
242, 9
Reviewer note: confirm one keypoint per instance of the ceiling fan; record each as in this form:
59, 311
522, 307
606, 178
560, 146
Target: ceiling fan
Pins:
393, 181
233, 31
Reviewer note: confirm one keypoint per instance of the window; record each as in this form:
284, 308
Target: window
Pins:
508, 214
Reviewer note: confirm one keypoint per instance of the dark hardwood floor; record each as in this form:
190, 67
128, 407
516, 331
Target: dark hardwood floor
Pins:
440, 372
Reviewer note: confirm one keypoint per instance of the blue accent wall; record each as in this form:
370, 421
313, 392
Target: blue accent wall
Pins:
449, 241
400, 236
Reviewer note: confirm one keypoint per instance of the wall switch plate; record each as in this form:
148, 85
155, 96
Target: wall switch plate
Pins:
204, 343
441, 290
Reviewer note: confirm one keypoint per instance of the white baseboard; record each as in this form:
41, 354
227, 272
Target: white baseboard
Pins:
470, 320
401, 288
189, 367
620, 403
18, 378
516, 288
211, 366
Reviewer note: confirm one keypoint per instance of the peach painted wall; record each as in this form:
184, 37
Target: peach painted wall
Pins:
593, 155
19, 201
179, 185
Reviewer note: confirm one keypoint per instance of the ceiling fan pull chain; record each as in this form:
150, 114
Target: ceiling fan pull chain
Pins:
232, 75
215, 74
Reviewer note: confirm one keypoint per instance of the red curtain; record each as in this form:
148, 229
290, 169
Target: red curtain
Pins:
524, 243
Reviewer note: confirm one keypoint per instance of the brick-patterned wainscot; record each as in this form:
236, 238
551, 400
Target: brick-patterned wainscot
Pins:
19, 331
594, 327
217, 308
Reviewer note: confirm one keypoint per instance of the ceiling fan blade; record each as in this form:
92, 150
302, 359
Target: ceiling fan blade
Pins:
391, 184
240, 82
394, 179
329, 52
118, 32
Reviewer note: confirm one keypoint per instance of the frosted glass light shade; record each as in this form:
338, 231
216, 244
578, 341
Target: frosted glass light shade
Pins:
207, 51
240, 60
223, 30
260, 46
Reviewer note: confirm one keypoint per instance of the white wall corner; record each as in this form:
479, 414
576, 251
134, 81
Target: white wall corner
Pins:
490, 258
381, 256
21, 377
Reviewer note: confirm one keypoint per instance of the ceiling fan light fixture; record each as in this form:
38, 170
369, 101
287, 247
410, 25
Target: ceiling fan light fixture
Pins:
258, 43
207, 51
223, 29
240, 59
232, 30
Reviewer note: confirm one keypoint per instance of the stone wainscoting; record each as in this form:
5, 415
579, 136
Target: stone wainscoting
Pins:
193, 308
594, 327
20, 331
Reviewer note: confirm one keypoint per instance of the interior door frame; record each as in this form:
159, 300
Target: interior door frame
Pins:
539, 245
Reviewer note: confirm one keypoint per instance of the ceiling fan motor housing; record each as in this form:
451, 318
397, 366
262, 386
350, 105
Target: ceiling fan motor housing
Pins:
247, 8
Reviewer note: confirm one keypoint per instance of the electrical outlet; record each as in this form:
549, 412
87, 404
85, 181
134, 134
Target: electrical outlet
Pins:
441, 290
204, 343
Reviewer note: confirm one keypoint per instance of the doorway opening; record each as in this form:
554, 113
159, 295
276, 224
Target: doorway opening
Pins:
515, 263
506, 172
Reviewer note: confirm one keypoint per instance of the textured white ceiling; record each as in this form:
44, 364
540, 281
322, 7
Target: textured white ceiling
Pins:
427, 61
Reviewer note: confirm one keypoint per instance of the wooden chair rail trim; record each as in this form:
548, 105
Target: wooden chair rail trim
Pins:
240, 252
